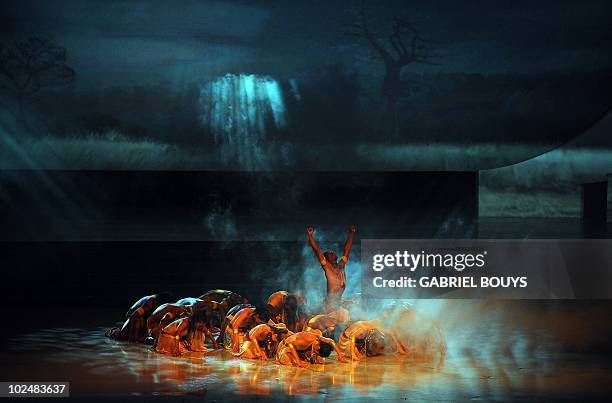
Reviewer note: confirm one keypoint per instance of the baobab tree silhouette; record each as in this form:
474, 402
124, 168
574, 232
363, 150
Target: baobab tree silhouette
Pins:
31, 65
404, 46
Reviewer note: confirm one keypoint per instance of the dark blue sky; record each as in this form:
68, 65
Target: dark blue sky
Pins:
116, 42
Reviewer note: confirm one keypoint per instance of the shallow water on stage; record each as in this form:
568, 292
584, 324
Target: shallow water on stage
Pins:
484, 361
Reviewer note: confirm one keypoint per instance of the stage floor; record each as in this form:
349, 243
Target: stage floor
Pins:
486, 360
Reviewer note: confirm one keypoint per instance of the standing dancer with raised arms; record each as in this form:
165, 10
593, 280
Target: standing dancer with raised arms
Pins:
334, 270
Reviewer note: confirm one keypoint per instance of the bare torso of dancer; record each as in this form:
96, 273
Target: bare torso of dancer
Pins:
334, 270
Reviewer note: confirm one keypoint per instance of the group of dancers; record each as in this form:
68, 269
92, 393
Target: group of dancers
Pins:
283, 328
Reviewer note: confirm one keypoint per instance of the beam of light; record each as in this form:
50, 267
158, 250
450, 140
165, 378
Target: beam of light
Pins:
241, 112
54, 195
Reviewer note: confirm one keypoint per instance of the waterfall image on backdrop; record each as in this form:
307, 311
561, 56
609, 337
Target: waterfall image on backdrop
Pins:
245, 113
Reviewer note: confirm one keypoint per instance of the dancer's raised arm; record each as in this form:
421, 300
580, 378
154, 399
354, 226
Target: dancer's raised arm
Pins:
315, 247
348, 245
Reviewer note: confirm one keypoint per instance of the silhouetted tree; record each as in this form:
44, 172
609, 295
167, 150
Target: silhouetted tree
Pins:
404, 46
30, 65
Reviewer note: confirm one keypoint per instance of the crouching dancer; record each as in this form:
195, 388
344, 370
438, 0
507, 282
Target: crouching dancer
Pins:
215, 311
262, 341
327, 323
288, 308
163, 315
134, 329
226, 333
367, 339
184, 335
226, 300
242, 322
219, 295
305, 348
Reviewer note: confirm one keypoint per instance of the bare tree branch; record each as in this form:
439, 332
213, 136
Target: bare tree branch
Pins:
402, 47
30, 65
362, 30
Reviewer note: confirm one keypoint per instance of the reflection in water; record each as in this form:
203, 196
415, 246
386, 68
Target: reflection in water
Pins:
501, 355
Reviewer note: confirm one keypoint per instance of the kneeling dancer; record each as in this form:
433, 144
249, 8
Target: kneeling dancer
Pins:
306, 347
262, 341
366, 339
184, 335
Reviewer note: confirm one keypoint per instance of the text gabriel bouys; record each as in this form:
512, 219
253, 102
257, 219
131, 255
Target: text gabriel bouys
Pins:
452, 282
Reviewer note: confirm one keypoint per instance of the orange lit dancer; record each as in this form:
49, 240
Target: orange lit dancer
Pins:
285, 307
163, 315
243, 321
262, 341
215, 311
149, 302
185, 334
334, 270
305, 348
367, 339
225, 334
326, 323
226, 300
219, 295
134, 329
